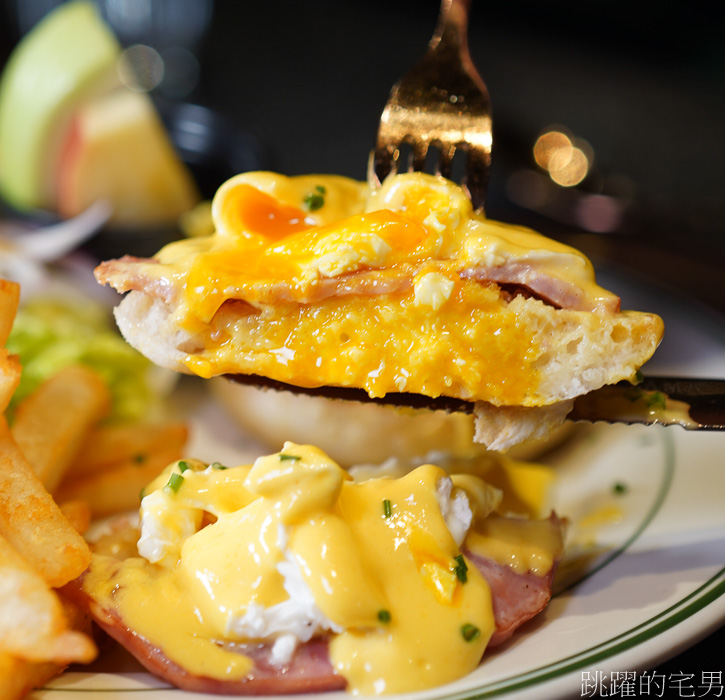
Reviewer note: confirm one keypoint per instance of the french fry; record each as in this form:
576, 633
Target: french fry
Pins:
9, 299
109, 446
78, 514
33, 625
9, 377
117, 490
32, 521
51, 424
41, 632
9, 364
79, 618
19, 676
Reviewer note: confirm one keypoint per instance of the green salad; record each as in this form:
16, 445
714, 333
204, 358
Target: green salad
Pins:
49, 334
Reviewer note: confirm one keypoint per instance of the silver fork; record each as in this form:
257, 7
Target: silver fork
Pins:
441, 103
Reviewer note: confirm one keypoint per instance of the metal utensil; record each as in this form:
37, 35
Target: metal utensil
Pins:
694, 404
441, 103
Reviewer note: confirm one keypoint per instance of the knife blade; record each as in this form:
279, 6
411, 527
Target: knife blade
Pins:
694, 404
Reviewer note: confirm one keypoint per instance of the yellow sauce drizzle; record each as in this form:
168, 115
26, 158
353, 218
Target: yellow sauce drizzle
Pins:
377, 557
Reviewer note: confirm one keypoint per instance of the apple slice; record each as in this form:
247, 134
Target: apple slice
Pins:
69, 57
118, 150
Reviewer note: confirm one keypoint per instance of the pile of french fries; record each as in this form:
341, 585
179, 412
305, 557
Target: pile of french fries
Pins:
61, 467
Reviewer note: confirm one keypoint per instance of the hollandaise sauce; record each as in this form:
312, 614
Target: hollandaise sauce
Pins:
291, 549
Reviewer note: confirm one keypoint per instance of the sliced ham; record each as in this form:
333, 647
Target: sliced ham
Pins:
309, 671
361, 282
544, 286
147, 275
516, 598
131, 274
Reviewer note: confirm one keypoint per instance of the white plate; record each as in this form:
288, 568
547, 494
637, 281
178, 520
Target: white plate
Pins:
653, 584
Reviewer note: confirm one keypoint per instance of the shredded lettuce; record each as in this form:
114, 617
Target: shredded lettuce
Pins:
49, 334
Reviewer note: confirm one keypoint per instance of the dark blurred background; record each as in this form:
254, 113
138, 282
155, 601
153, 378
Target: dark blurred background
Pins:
641, 87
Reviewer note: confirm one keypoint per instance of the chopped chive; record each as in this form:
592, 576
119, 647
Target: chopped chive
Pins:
142, 493
218, 465
384, 615
638, 377
620, 488
139, 458
387, 508
470, 632
315, 200
289, 458
174, 483
183, 466
321, 189
657, 400
461, 569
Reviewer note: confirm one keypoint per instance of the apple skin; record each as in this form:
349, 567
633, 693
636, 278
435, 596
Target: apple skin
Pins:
118, 150
67, 58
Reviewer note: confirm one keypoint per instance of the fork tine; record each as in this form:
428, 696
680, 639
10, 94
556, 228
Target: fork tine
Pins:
445, 161
441, 102
475, 178
418, 153
384, 159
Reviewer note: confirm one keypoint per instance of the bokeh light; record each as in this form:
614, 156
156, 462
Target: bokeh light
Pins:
140, 68
567, 160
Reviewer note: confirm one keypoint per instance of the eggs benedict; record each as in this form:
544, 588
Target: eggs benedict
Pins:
287, 575
324, 281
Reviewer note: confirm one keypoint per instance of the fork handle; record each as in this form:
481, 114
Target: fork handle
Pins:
451, 38
452, 27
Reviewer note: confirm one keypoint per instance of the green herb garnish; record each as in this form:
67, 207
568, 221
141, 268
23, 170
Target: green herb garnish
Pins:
218, 465
139, 458
315, 200
387, 508
384, 615
183, 466
638, 377
470, 632
620, 488
657, 400
461, 569
289, 458
174, 482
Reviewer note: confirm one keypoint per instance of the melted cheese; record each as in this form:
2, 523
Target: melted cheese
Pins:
309, 261
292, 547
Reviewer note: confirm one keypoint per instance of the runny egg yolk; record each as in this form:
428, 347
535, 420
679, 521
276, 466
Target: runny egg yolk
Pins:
248, 209
291, 547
